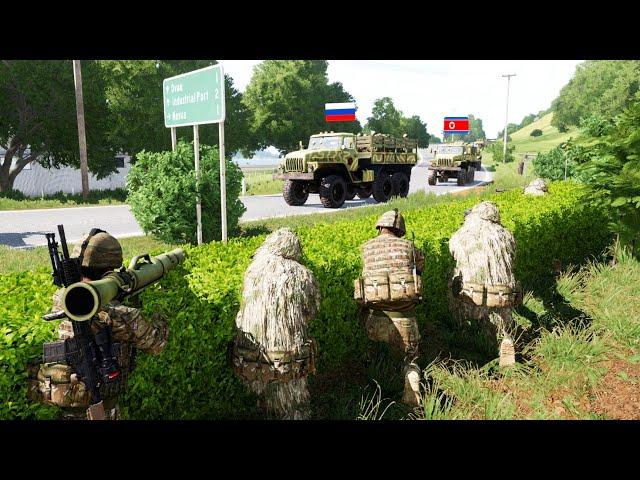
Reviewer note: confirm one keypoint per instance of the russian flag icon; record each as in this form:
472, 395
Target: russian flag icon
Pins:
340, 112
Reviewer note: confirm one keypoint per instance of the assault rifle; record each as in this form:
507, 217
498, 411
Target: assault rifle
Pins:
91, 356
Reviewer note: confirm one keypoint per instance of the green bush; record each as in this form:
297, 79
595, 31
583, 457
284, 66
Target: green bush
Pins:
536, 132
550, 165
192, 379
162, 194
497, 149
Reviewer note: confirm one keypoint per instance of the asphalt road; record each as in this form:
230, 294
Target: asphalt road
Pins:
26, 228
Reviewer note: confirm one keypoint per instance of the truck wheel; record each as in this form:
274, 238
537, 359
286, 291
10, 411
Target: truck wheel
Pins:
400, 183
431, 177
351, 192
382, 188
333, 191
294, 193
364, 192
462, 174
472, 174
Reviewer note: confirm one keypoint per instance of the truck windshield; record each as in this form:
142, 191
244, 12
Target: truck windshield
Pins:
449, 150
332, 143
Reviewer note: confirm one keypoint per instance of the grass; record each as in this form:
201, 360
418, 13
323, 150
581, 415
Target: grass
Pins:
550, 137
260, 182
578, 356
63, 200
17, 260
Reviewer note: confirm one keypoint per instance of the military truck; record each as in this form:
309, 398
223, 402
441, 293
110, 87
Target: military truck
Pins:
341, 165
457, 160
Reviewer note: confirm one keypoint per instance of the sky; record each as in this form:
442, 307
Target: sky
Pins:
439, 88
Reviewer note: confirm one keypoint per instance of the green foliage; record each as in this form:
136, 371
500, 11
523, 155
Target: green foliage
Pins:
287, 98
602, 87
596, 125
192, 379
497, 150
134, 92
162, 194
386, 118
26, 296
612, 173
476, 131
551, 165
536, 132
38, 117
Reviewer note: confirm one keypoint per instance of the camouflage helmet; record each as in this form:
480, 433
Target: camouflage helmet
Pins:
392, 220
99, 250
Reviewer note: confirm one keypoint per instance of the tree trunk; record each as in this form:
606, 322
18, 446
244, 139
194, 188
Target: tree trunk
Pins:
7, 174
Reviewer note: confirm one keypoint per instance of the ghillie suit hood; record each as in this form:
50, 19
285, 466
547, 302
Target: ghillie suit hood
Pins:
280, 296
537, 187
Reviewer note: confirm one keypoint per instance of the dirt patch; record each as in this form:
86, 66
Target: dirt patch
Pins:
618, 395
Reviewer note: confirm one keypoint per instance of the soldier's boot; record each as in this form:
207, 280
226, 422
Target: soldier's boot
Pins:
412, 395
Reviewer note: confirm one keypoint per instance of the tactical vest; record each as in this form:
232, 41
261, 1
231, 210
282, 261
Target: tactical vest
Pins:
492, 296
388, 274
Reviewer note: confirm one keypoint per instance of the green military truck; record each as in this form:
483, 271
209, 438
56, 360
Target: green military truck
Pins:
339, 166
457, 160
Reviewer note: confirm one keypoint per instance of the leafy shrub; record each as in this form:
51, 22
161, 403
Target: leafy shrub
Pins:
536, 132
595, 125
192, 378
497, 149
551, 165
612, 173
162, 194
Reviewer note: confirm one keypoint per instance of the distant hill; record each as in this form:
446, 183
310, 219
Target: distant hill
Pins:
550, 137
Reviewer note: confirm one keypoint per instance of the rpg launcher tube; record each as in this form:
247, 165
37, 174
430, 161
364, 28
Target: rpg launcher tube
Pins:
82, 300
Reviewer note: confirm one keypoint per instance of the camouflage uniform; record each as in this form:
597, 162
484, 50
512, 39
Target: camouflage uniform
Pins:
56, 384
482, 286
393, 321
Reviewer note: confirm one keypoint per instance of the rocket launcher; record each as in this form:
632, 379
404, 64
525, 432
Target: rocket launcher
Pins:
82, 300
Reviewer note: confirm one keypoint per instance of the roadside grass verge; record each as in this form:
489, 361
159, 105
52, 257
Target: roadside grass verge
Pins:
16, 260
578, 356
17, 201
259, 181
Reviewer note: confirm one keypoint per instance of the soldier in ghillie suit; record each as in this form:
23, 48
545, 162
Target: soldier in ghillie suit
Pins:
537, 187
57, 384
482, 286
388, 292
273, 352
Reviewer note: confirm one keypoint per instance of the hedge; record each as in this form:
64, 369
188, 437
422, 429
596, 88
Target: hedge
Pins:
192, 379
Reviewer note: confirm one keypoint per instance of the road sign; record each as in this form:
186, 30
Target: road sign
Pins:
194, 98
458, 125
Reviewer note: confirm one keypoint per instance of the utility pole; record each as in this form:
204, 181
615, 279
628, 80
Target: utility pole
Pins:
82, 138
506, 119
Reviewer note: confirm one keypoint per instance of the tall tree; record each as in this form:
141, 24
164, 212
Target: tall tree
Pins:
416, 129
286, 99
38, 122
386, 118
134, 93
601, 87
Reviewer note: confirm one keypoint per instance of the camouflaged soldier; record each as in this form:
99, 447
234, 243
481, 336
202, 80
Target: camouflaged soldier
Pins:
537, 188
482, 286
388, 291
273, 352
56, 383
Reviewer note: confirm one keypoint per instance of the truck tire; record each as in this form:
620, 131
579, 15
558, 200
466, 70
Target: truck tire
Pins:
364, 192
333, 191
351, 192
294, 193
431, 177
472, 174
462, 176
400, 183
382, 188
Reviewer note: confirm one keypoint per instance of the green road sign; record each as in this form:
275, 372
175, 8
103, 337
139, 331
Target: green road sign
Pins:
194, 98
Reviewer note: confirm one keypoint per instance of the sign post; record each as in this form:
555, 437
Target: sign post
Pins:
193, 99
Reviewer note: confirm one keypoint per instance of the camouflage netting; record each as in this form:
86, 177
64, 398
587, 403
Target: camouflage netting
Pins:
280, 297
537, 187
